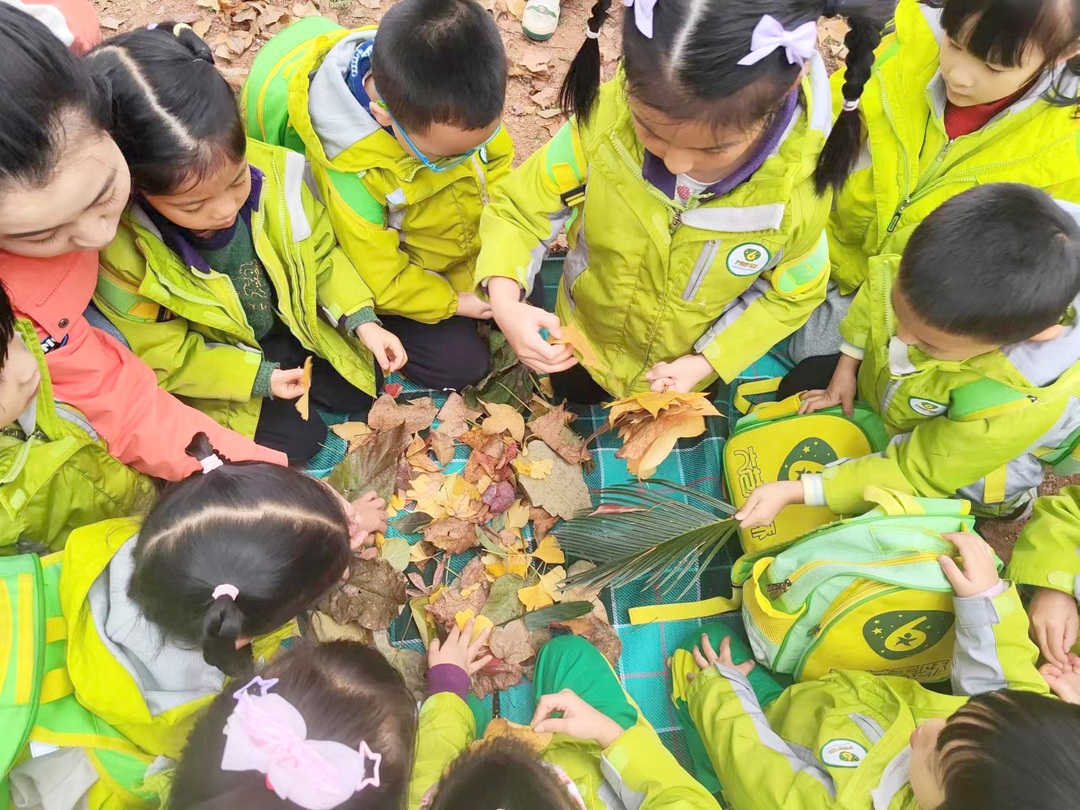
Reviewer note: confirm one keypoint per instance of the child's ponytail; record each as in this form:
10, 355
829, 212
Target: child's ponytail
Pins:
841, 150
236, 551
582, 83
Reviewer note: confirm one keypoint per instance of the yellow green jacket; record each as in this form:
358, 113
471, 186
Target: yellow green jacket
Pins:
635, 772
648, 280
843, 741
908, 166
56, 474
1047, 553
981, 429
413, 233
186, 321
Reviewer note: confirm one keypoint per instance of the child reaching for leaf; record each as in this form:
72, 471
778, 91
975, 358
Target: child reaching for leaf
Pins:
225, 273
600, 753
323, 726
694, 189
858, 741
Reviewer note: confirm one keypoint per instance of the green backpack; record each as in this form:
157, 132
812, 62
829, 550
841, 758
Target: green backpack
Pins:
864, 594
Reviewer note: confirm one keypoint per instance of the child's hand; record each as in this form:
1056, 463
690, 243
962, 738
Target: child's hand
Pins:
705, 657
1064, 678
1055, 623
579, 719
767, 501
980, 572
682, 375
459, 651
472, 306
367, 515
388, 351
841, 391
522, 322
285, 383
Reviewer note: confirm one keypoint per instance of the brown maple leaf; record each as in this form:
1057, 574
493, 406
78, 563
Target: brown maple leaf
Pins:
511, 642
542, 522
598, 633
387, 413
495, 677
445, 607
451, 534
553, 428
372, 597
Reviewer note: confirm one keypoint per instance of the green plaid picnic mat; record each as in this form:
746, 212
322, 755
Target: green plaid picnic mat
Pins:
695, 463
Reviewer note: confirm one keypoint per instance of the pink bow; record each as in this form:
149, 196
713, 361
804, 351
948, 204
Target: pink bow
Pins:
770, 34
643, 15
265, 733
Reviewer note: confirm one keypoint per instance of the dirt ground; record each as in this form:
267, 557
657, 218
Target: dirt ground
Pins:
236, 29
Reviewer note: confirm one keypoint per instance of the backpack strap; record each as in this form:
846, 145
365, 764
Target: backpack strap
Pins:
123, 297
893, 502
646, 614
983, 398
565, 163
742, 402
22, 651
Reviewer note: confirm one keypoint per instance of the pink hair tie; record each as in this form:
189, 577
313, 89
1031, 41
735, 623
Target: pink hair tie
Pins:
230, 591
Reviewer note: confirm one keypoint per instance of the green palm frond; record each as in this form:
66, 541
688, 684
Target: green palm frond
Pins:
671, 531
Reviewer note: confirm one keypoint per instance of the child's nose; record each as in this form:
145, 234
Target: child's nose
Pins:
678, 162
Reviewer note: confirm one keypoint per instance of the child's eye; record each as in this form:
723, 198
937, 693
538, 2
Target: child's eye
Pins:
45, 240
993, 69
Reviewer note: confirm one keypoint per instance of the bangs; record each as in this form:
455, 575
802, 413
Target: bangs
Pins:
1002, 32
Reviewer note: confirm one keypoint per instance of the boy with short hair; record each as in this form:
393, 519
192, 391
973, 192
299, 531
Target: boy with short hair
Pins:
402, 126
968, 349
56, 474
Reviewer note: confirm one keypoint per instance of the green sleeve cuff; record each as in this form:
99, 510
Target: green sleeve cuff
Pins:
360, 317
261, 388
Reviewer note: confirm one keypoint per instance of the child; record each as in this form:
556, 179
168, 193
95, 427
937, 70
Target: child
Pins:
861, 741
153, 617
63, 185
322, 727
965, 92
225, 273
58, 474
971, 358
402, 128
693, 190
603, 755
1047, 558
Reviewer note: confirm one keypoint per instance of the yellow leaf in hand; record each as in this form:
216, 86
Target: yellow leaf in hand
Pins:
573, 337
480, 623
303, 404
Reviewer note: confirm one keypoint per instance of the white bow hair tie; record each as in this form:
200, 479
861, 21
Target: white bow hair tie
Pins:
769, 34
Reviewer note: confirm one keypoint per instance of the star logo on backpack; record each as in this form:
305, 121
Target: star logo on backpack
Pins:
901, 634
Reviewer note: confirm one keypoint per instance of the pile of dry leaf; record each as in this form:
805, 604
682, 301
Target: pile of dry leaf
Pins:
521, 476
650, 424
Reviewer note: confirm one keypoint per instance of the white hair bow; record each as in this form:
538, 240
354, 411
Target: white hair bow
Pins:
265, 733
643, 15
770, 34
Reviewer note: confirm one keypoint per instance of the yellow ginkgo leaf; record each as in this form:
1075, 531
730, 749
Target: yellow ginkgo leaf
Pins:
498, 565
535, 597
517, 516
548, 551
417, 555
539, 469
480, 623
503, 419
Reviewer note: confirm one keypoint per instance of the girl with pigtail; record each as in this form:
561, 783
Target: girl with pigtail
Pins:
694, 190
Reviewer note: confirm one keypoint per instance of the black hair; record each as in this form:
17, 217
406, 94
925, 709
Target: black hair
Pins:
500, 774
688, 70
47, 99
346, 693
1011, 750
7, 325
440, 62
999, 262
1003, 31
278, 536
175, 117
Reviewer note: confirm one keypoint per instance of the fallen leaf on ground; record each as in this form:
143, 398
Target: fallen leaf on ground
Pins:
372, 470
542, 522
396, 552
325, 630
451, 534
498, 565
496, 676
449, 602
564, 611
517, 516
554, 429
417, 457
548, 97
499, 497
424, 625
581, 593
372, 597
411, 664
112, 23
472, 574
443, 447
201, 27
548, 550
503, 419
454, 417
355, 433
387, 413
303, 403
501, 727
502, 604
301, 10
513, 7
536, 59
511, 643
563, 492
545, 592
411, 523
480, 623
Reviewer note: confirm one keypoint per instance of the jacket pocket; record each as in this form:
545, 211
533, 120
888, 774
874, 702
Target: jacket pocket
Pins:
577, 261
701, 267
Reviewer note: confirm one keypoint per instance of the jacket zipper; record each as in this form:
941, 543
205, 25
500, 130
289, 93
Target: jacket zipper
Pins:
652, 190
480, 177
701, 269
69, 414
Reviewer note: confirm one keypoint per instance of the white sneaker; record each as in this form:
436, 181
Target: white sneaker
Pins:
540, 19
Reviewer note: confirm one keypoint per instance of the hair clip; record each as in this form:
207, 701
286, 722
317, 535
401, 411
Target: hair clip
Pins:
643, 15
263, 684
225, 589
799, 45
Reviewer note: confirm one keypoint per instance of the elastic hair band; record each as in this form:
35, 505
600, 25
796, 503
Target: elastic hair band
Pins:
225, 589
850, 106
211, 463
180, 27
590, 34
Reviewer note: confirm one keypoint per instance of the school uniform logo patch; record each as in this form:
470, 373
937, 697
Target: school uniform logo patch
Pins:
927, 407
842, 754
748, 259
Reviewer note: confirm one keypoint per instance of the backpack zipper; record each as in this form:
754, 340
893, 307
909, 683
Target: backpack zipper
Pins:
799, 573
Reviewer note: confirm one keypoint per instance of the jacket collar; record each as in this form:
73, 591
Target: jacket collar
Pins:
338, 119
175, 238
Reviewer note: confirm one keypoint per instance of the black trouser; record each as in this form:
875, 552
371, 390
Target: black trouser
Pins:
280, 425
811, 374
449, 354
576, 385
